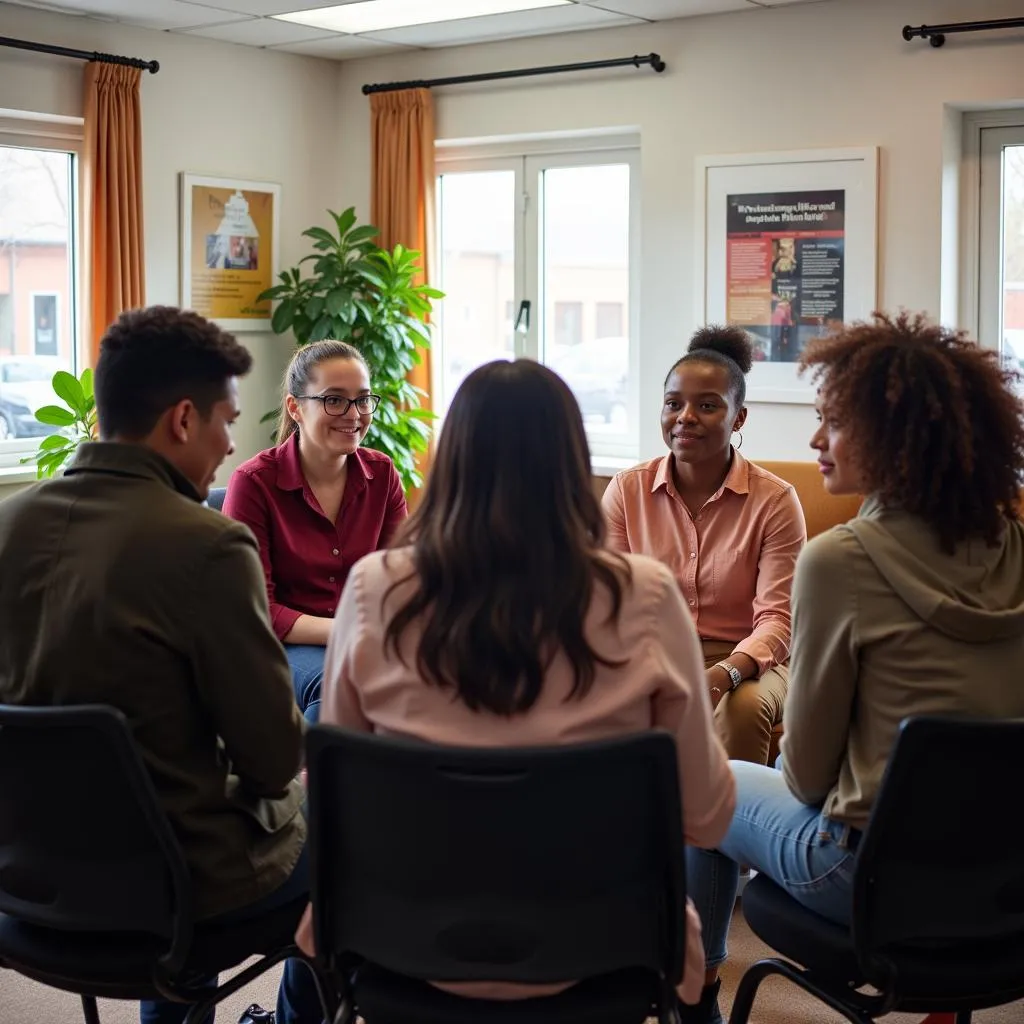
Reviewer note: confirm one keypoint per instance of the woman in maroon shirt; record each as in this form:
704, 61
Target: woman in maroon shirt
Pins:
317, 502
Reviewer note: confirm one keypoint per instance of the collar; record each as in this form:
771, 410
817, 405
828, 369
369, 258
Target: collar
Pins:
135, 460
289, 467
736, 480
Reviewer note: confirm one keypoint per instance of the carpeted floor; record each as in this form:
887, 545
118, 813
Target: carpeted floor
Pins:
25, 1002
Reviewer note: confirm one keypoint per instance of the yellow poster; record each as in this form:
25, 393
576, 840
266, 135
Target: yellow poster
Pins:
229, 249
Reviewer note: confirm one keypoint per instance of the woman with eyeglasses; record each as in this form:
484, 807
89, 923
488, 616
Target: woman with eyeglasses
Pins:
317, 502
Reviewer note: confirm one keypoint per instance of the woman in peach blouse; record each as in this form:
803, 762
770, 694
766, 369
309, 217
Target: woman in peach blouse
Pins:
729, 531
504, 621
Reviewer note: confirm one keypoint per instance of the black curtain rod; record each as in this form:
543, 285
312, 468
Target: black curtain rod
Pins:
653, 59
936, 34
63, 51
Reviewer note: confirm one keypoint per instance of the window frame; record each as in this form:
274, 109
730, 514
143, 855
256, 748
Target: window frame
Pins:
61, 134
529, 158
981, 222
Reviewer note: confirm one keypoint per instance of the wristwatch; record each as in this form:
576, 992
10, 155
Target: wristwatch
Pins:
735, 676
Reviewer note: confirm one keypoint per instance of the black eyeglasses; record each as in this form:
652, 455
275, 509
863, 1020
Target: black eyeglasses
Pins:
338, 405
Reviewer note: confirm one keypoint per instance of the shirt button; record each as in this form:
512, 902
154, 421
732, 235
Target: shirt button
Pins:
692, 603
693, 554
331, 610
335, 551
330, 579
699, 518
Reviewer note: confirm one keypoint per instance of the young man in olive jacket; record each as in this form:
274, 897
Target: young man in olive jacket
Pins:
118, 587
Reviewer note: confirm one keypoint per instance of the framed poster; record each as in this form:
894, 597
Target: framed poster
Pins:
229, 249
787, 246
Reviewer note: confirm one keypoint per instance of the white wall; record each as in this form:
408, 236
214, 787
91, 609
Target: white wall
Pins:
818, 75
213, 108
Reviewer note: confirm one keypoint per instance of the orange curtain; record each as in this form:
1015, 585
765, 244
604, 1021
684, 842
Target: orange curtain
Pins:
112, 193
402, 190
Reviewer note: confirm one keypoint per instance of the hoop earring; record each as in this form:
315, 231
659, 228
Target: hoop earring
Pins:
740, 445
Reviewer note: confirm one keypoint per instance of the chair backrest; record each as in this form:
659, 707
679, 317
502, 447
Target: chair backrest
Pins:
528, 865
215, 499
941, 863
84, 843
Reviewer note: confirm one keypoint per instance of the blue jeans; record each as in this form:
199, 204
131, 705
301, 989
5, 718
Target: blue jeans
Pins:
297, 1000
796, 846
307, 662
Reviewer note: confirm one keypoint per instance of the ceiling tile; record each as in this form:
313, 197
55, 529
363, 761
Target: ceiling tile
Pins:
264, 8
504, 26
341, 48
261, 32
159, 14
659, 10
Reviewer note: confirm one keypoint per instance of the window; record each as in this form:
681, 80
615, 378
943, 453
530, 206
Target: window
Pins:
44, 323
608, 319
37, 272
544, 246
1001, 237
568, 323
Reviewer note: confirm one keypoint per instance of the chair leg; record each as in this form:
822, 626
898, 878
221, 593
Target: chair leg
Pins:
90, 1010
757, 972
747, 991
963, 1016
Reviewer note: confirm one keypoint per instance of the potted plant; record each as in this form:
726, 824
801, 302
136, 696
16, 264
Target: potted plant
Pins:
367, 296
76, 420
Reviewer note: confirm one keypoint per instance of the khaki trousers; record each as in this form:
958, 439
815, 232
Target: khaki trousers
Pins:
745, 717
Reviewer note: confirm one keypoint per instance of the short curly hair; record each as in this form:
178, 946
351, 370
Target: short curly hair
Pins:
935, 425
152, 358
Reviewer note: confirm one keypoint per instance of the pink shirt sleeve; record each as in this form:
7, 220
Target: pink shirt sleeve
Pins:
339, 699
784, 537
246, 501
397, 509
683, 707
615, 515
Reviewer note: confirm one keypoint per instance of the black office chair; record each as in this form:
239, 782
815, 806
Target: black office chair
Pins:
215, 499
938, 903
94, 891
529, 865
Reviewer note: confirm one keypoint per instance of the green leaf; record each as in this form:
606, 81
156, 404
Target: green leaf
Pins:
314, 307
87, 387
321, 329
69, 388
323, 236
55, 416
337, 300
362, 234
268, 417
344, 220
274, 293
52, 441
284, 316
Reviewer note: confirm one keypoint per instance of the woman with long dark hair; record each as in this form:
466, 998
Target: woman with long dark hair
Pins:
499, 618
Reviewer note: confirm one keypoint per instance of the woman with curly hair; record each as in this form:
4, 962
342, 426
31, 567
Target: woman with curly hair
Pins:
916, 606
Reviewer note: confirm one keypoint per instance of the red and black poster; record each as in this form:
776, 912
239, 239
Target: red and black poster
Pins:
785, 255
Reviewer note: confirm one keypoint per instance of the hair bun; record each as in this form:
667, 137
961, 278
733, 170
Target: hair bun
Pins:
732, 342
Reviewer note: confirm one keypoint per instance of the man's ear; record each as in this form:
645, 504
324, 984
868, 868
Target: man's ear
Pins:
181, 420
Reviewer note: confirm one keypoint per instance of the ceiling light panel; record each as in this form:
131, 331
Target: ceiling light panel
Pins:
506, 26
380, 15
